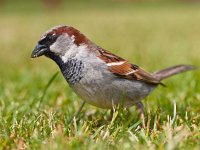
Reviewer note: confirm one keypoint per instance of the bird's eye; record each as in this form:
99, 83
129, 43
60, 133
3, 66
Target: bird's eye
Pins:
48, 40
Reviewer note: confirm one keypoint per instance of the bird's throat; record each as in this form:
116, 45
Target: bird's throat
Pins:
72, 69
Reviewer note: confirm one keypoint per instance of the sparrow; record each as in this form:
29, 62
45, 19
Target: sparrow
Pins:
97, 76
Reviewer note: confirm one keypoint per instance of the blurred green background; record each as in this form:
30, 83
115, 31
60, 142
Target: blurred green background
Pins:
150, 33
140, 31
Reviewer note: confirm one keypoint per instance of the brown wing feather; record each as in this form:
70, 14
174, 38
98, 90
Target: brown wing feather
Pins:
124, 69
109, 57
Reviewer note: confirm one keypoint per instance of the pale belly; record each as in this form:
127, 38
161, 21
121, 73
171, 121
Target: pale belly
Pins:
106, 92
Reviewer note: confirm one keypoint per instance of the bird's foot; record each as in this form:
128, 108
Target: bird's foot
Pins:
140, 109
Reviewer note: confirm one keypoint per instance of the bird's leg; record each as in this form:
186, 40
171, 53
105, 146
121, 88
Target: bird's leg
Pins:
77, 113
140, 109
109, 118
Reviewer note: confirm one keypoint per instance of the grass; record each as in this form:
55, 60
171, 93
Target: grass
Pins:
35, 110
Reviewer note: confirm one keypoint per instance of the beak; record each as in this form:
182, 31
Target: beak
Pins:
39, 50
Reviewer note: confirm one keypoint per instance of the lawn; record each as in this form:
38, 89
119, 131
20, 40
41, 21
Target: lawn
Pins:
35, 112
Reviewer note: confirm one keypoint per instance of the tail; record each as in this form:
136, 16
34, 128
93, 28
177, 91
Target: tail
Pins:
165, 73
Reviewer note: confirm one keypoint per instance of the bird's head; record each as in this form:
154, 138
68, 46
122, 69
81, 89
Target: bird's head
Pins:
60, 41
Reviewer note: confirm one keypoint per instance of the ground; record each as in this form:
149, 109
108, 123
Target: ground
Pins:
35, 110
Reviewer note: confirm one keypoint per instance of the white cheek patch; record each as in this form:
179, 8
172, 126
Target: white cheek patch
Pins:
62, 44
55, 48
65, 47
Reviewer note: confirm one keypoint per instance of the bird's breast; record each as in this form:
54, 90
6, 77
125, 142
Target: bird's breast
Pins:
72, 71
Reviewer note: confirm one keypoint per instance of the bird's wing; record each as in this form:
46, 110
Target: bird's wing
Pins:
123, 69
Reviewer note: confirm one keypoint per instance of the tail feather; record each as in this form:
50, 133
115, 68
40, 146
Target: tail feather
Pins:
165, 73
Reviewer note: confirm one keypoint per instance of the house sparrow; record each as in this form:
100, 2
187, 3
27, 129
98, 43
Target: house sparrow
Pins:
97, 76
